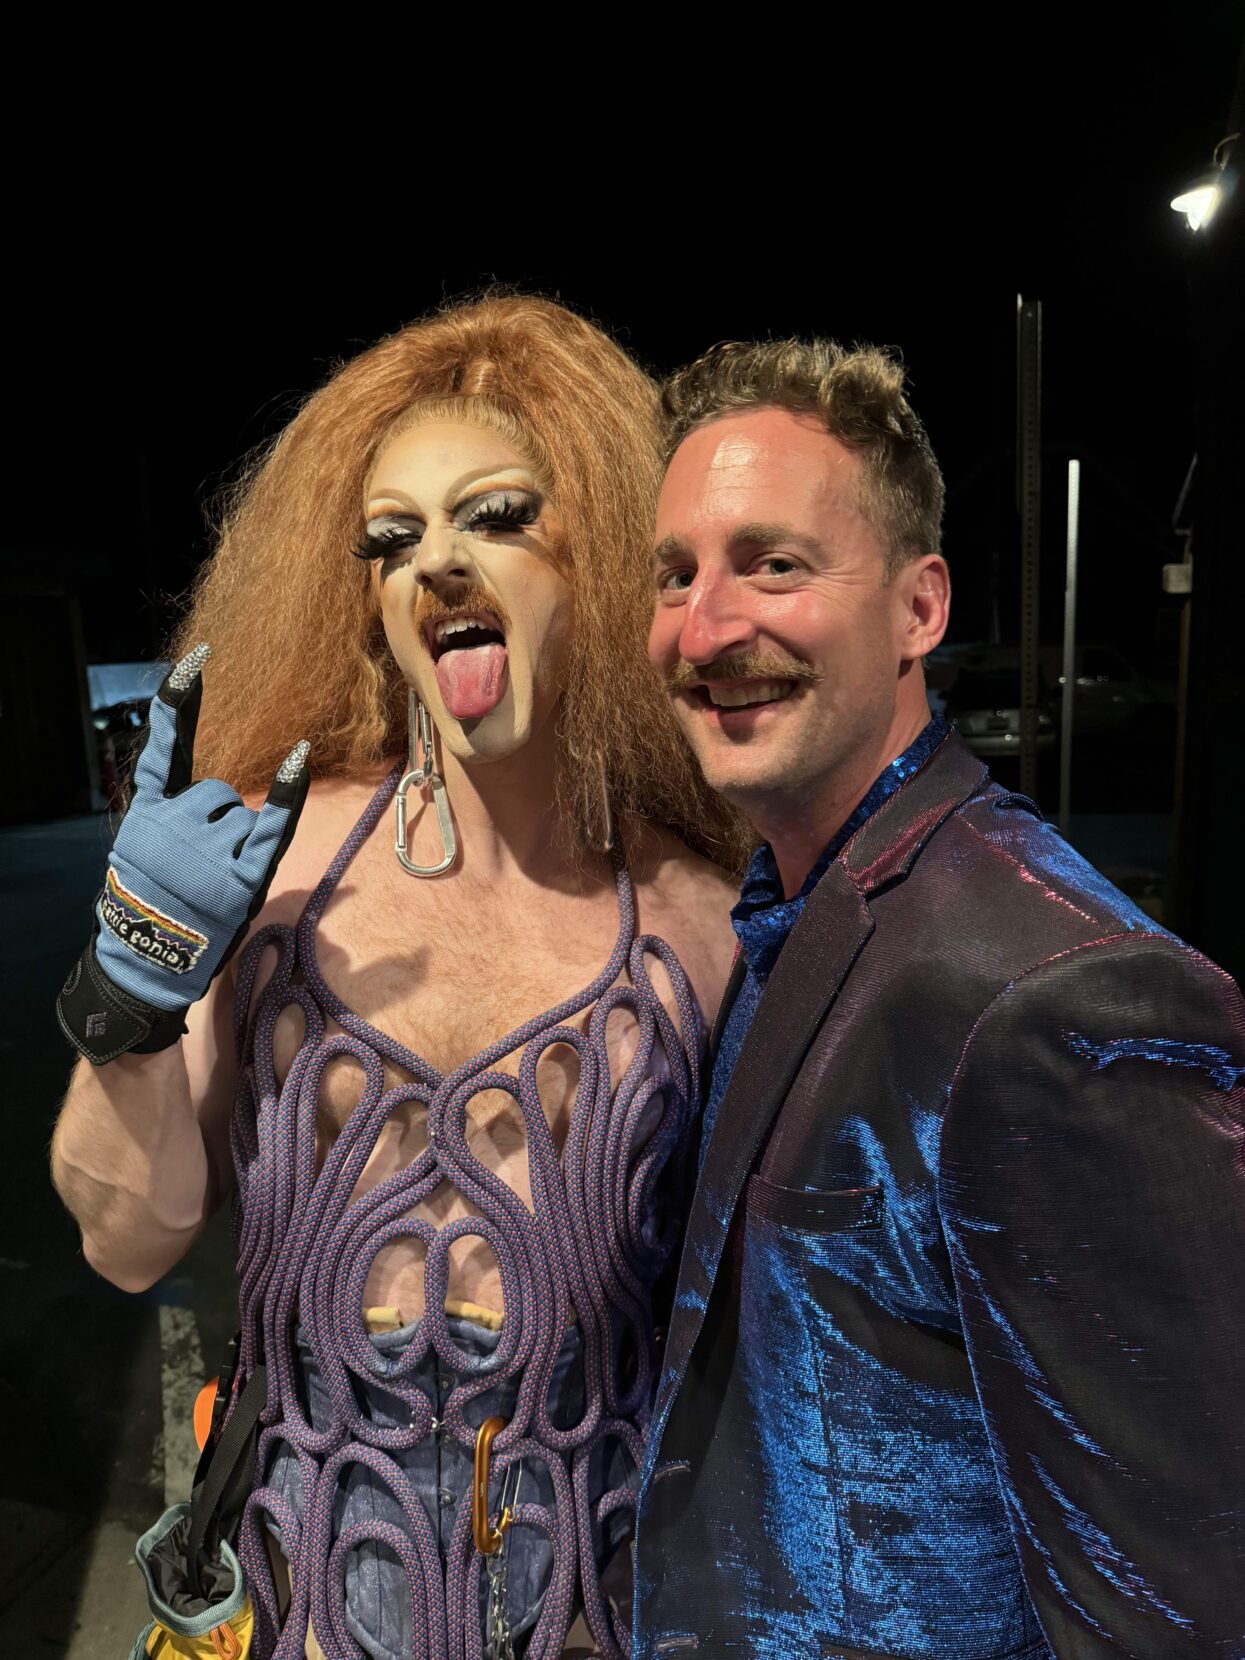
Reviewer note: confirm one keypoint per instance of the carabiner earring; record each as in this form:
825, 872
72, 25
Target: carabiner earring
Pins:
421, 772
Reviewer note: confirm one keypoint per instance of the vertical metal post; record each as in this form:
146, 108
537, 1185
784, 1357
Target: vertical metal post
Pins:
1029, 457
1069, 650
1178, 579
1182, 715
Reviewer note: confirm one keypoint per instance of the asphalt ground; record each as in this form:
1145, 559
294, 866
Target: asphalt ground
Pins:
96, 1385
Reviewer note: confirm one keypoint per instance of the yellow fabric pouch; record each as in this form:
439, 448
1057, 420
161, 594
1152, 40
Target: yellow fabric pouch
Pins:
231, 1641
185, 1627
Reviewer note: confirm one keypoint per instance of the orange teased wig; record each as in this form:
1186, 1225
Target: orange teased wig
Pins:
297, 644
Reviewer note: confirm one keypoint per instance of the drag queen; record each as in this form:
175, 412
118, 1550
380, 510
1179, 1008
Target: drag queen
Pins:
445, 1054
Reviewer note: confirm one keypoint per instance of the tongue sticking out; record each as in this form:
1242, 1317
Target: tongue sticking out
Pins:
472, 680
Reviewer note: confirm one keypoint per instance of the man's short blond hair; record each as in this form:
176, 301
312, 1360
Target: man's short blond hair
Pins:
857, 395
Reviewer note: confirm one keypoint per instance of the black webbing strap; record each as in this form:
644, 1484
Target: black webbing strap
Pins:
102, 1021
231, 1458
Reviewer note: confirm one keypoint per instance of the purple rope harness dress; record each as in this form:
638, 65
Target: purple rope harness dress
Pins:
579, 1264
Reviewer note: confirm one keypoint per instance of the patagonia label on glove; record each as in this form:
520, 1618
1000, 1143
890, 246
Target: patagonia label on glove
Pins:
189, 856
147, 932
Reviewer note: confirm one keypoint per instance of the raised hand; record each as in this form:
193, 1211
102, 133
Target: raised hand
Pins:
190, 868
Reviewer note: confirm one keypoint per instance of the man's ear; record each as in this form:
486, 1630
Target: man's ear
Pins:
925, 592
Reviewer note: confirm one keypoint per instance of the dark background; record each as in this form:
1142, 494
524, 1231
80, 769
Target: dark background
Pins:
174, 303
196, 259
192, 255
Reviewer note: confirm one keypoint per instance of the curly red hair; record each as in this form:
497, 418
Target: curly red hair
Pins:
297, 644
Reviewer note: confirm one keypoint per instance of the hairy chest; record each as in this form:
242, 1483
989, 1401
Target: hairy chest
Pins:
448, 980
449, 970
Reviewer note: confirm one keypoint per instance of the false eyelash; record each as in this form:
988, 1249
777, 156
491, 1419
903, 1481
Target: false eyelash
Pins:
501, 509
510, 511
378, 544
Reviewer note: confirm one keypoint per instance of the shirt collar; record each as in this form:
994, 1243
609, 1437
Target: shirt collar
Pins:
762, 918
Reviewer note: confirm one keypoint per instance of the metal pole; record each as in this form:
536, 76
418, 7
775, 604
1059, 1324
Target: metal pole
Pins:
1178, 579
1029, 446
1069, 650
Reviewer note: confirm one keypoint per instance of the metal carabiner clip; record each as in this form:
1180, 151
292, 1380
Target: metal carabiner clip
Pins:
421, 771
488, 1539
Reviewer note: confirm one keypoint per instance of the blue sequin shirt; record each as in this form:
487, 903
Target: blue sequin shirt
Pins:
762, 919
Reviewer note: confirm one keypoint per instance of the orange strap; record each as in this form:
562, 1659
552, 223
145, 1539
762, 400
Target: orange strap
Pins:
205, 1400
224, 1637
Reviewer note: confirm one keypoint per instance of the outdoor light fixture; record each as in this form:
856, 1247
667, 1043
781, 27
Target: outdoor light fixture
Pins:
1199, 202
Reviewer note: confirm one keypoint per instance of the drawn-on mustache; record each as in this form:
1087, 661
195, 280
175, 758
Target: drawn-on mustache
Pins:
752, 665
431, 607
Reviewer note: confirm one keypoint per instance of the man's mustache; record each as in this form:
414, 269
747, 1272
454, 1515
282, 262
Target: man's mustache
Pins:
752, 665
430, 606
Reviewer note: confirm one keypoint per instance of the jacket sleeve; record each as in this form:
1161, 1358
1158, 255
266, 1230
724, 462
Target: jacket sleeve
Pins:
1092, 1188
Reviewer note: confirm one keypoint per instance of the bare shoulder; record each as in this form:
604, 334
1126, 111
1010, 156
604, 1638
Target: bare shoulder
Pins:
333, 808
686, 900
666, 870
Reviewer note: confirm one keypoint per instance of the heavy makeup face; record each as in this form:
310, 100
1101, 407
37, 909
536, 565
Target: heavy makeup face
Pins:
782, 641
466, 547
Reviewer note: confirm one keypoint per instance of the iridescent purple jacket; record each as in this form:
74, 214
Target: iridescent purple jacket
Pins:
956, 1368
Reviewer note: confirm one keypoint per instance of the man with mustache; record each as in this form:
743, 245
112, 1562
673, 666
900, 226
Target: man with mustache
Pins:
956, 1359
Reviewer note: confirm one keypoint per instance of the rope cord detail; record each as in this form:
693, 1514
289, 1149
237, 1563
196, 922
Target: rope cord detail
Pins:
305, 1247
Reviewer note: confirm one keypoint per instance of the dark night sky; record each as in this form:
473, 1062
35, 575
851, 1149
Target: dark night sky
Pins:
201, 296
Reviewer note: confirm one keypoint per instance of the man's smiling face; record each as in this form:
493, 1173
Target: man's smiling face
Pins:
775, 626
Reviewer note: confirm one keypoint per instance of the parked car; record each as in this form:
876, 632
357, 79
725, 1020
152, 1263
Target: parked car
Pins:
983, 702
120, 694
980, 691
1112, 699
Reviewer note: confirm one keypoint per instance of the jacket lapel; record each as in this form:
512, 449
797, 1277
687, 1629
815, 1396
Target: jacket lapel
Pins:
735, 979
832, 930
833, 926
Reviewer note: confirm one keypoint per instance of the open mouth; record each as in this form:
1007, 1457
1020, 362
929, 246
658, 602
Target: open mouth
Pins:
720, 695
468, 650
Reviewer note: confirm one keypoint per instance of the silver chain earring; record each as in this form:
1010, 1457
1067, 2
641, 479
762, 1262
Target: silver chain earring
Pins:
421, 773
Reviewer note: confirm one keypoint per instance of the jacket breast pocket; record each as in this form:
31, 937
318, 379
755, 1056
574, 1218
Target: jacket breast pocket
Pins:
817, 1210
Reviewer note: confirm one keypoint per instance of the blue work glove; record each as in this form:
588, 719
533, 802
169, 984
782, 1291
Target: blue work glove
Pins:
190, 868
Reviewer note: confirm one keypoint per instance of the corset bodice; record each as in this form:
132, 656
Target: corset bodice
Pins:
587, 1251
